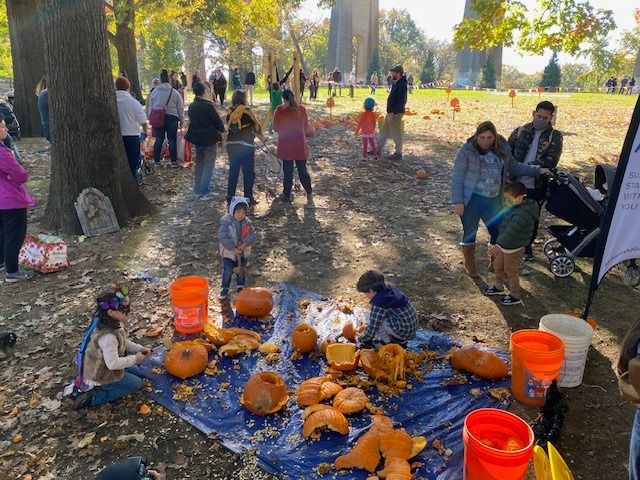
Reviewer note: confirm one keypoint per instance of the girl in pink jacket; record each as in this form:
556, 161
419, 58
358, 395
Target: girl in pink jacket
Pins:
14, 201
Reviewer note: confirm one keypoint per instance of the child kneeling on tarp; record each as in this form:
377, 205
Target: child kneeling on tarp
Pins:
107, 359
392, 319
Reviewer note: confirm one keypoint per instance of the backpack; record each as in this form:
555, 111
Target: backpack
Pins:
78, 383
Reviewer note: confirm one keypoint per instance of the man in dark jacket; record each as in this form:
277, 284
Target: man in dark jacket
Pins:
250, 84
537, 143
205, 131
396, 104
336, 77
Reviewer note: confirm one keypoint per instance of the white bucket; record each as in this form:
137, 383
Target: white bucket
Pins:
576, 335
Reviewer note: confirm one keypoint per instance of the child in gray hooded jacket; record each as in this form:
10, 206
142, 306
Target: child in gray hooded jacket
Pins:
235, 235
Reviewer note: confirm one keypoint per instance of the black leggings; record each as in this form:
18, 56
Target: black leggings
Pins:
305, 179
13, 228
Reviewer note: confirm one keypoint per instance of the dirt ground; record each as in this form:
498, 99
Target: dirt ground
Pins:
373, 215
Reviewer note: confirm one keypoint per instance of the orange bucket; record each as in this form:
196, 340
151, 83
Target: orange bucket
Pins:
536, 360
498, 445
190, 303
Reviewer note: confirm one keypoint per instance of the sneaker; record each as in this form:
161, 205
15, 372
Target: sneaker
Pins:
528, 254
510, 300
208, 196
395, 156
493, 290
224, 294
17, 277
174, 165
284, 199
83, 399
156, 164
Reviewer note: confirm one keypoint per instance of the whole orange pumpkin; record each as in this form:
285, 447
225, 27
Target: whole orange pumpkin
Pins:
421, 174
254, 302
304, 338
264, 393
186, 359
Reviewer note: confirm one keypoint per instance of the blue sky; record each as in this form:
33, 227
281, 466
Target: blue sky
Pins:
437, 18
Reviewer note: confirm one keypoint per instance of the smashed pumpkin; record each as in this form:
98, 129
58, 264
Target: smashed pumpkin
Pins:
186, 359
304, 338
329, 418
264, 393
342, 356
216, 335
254, 302
350, 400
482, 364
240, 343
329, 390
396, 469
365, 454
309, 391
388, 364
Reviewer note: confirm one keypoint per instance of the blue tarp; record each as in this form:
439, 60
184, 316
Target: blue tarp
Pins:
430, 408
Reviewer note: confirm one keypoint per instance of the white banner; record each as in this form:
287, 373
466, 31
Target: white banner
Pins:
623, 238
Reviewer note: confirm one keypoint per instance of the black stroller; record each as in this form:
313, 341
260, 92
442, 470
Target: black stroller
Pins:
571, 201
10, 119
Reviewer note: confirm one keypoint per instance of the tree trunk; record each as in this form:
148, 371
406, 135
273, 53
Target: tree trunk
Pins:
193, 48
28, 62
88, 149
125, 42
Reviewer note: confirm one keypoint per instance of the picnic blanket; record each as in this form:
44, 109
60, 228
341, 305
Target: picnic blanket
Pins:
432, 409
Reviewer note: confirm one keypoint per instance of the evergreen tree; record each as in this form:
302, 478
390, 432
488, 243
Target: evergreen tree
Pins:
374, 65
552, 75
428, 73
488, 73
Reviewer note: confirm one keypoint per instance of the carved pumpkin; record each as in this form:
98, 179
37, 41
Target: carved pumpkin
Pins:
216, 335
421, 174
304, 338
342, 356
186, 359
482, 364
326, 418
350, 400
264, 393
309, 391
254, 302
329, 390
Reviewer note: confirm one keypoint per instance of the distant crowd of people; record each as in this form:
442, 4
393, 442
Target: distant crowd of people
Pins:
627, 85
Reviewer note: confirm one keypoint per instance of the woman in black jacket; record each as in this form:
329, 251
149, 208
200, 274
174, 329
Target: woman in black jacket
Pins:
205, 131
242, 127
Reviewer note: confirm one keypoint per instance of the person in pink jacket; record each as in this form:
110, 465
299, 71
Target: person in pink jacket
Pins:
14, 201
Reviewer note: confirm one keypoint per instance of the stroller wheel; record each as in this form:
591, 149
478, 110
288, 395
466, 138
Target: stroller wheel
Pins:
552, 248
632, 275
562, 266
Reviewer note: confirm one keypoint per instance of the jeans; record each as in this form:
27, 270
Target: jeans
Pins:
46, 132
130, 382
241, 157
508, 263
366, 142
634, 449
132, 147
13, 228
392, 127
313, 92
170, 129
205, 168
481, 208
305, 178
227, 272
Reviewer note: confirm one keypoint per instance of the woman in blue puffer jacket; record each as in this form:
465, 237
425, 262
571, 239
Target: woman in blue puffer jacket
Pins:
479, 174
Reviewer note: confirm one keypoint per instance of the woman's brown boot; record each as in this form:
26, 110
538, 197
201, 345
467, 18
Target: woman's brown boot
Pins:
469, 252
